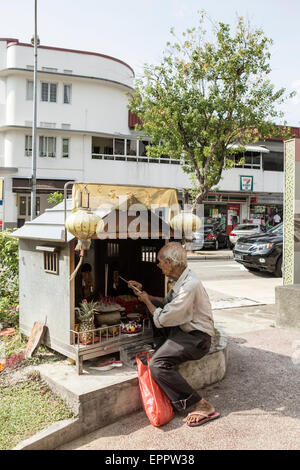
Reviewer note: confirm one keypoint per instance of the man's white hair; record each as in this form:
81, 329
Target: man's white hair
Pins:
176, 253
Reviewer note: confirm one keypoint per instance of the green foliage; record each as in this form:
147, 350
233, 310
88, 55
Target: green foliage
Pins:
208, 98
14, 344
9, 281
55, 198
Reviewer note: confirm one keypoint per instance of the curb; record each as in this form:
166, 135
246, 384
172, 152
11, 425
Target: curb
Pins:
53, 436
209, 257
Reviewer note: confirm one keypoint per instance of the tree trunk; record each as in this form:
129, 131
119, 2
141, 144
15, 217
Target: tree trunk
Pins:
198, 200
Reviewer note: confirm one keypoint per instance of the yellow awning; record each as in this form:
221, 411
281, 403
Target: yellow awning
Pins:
98, 196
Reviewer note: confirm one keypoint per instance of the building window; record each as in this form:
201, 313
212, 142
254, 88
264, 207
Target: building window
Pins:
113, 250
131, 147
67, 94
28, 145
273, 161
29, 90
22, 206
65, 147
49, 92
148, 254
119, 147
143, 147
51, 262
47, 146
251, 160
37, 206
102, 146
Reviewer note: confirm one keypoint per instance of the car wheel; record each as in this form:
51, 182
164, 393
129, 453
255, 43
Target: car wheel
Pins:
216, 245
278, 269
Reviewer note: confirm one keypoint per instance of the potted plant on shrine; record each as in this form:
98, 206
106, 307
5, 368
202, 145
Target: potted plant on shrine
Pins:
86, 320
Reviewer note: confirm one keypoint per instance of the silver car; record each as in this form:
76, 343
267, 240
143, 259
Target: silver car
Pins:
243, 230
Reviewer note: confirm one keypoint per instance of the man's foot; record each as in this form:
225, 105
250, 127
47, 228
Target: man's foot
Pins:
203, 406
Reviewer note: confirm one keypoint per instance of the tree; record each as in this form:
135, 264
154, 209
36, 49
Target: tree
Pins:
208, 99
55, 198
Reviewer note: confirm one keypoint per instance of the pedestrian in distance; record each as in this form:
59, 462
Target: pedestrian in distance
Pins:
277, 219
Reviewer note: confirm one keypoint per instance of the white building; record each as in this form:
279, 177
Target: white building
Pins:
85, 133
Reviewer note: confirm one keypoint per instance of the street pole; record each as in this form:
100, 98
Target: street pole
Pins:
34, 140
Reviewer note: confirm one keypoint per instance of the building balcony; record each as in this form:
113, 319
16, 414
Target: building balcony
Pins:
126, 149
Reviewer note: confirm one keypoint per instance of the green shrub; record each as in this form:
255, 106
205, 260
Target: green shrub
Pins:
9, 280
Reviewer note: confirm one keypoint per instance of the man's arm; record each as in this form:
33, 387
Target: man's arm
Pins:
175, 313
152, 297
144, 297
178, 311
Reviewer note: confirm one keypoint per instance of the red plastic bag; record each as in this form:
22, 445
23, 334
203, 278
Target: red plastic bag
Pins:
155, 402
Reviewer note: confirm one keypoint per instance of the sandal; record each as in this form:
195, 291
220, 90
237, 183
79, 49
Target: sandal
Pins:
205, 419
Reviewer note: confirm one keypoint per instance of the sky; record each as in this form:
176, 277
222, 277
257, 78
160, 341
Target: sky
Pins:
137, 31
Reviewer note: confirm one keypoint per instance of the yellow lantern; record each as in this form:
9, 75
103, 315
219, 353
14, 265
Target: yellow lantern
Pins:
83, 224
186, 223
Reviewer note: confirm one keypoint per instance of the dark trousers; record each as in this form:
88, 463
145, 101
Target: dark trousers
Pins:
175, 347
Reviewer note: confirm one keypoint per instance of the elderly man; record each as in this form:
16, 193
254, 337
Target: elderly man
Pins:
183, 327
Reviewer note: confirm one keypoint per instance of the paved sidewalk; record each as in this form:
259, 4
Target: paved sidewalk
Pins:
210, 254
258, 401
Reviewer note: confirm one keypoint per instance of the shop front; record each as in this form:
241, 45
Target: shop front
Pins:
227, 209
263, 209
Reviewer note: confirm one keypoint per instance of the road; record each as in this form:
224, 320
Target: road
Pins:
242, 301
231, 279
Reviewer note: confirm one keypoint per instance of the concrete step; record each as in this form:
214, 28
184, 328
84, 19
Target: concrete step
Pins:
100, 398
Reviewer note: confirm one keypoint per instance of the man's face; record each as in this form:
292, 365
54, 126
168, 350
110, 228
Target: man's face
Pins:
164, 265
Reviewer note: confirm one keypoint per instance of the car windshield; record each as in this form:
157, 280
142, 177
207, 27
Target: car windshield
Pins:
278, 229
246, 227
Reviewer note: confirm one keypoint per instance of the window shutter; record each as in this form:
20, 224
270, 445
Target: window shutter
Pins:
42, 146
65, 149
53, 88
67, 94
45, 91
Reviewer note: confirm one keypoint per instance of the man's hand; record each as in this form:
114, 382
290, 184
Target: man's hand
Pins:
144, 297
135, 286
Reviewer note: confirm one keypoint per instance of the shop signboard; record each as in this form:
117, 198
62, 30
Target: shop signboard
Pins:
246, 183
270, 200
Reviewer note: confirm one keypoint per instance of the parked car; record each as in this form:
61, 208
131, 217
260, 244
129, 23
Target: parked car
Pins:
210, 236
243, 230
261, 251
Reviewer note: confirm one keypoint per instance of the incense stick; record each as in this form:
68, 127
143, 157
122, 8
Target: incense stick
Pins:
133, 287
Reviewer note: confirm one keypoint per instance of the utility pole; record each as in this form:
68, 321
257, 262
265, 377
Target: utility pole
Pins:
35, 41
